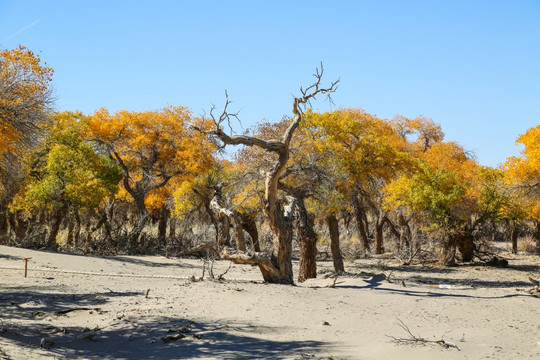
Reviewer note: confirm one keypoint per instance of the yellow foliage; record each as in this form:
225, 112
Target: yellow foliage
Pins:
526, 168
156, 149
24, 85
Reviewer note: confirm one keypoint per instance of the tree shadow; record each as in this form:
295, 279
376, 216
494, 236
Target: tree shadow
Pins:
35, 302
136, 259
433, 280
30, 315
377, 285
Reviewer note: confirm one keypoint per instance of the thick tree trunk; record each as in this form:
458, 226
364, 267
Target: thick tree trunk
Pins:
448, 255
71, 228
3, 227
172, 228
514, 237
537, 236
164, 215
238, 231
92, 230
404, 233
281, 224
20, 225
333, 229
307, 238
251, 228
224, 234
379, 238
74, 228
136, 231
466, 247
361, 224
55, 226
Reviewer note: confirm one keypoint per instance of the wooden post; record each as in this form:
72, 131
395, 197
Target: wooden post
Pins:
26, 266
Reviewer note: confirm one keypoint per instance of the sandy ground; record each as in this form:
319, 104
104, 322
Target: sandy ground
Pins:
145, 307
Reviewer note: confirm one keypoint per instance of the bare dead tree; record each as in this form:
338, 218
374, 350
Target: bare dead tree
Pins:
277, 266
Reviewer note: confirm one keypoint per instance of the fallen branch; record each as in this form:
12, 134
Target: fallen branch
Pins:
414, 340
65, 311
199, 249
269, 271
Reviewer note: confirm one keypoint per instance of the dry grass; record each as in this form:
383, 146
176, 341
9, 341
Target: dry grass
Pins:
527, 244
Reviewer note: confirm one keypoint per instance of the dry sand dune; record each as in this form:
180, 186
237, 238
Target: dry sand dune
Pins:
146, 307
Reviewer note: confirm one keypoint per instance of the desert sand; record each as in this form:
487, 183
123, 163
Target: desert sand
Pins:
149, 307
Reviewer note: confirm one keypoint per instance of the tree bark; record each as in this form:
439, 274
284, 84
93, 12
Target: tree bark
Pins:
250, 226
466, 247
134, 235
3, 227
379, 238
238, 231
537, 236
359, 214
514, 237
74, 227
404, 232
20, 225
307, 238
448, 255
333, 229
164, 215
55, 225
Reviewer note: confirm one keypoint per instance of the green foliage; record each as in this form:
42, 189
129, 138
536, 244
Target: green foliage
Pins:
66, 168
434, 192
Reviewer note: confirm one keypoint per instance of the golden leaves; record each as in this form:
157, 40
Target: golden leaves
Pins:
24, 96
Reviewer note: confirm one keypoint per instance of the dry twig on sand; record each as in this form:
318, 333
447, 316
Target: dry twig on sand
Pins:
415, 340
221, 276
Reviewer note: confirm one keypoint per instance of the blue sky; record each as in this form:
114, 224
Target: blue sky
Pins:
473, 66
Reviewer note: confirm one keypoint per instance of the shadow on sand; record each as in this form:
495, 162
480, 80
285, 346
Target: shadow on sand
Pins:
30, 315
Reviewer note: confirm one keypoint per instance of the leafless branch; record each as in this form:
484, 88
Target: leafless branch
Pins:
415, 340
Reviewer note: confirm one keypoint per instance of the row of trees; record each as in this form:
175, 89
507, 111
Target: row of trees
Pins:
142, 181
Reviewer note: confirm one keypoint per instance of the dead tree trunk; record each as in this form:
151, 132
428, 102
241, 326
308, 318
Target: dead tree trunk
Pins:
276, 268
333, 229
307, 238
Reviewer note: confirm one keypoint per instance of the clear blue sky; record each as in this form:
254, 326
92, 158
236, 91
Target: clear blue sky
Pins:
472, 66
